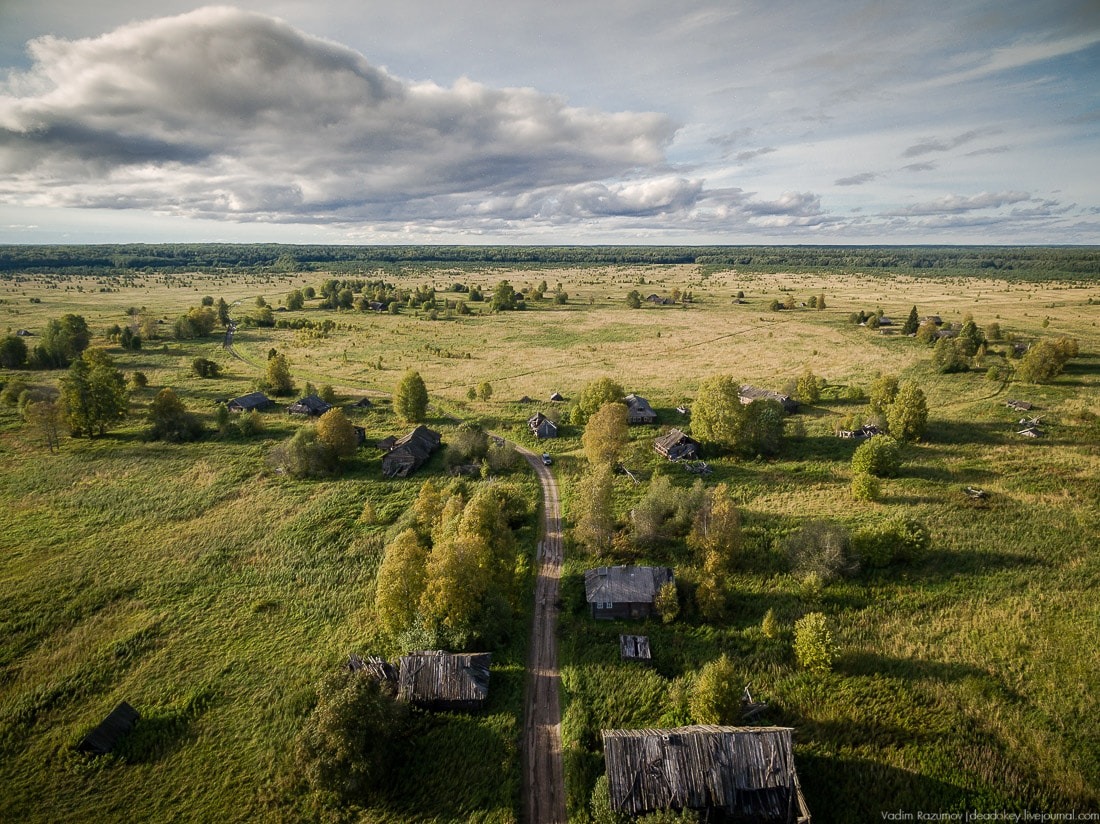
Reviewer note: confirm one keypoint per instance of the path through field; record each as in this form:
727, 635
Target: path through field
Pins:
543, 776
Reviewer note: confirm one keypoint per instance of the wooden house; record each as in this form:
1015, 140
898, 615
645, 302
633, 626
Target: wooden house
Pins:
1019, 406
624, 591
439, 680
541, 426
557, 397
744, 774
634, 648
362, 403
638, 410
311, 406
676, 446
410, 452
933, 319
747, 394
249, 402
110, 730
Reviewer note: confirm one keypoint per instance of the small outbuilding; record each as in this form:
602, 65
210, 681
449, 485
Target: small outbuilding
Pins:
410, 452
311, 406
556, 397
1019, 406
676, 446
624, 591
250, 402
634, 648
438, 680
110, 730
744, 774
638, 410
747, 394
541, 426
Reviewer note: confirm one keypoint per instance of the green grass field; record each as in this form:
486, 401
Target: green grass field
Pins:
212, 594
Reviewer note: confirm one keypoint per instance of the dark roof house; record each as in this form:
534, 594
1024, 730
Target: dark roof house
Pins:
742, 774
410, 452
638, 410
541, 426
676, 446
110, 730
747, 394
624, 591
310, 405
246, 403
439, 680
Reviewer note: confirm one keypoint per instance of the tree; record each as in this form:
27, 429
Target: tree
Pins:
912, 323
907, 417
336, 432
808, 388
820, 548
295, 300
222, 309
63, 340
948, 356
45, 418
634, 300
13, 352
345, 745
594, 395
970, 337
814, 646
400, 583
485, 390
882, 392
593, 521
716, 533
878, 456
277, 378
866, 487
717, 414
504, 297
410, 401
205, 368
304, 455
605, 434
94, 393
761, 428
715, 694
1046, 359
170, 419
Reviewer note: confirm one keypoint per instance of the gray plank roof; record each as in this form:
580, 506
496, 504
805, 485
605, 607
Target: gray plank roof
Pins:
438, 678
748, 772
110, 730
625, 584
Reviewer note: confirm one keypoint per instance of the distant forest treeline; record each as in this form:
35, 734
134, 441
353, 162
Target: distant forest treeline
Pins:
1012, 262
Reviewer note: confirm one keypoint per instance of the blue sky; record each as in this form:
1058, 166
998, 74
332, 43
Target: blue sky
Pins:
603, 121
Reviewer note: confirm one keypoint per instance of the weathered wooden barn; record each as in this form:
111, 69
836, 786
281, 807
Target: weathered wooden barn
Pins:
410, 452
249, 402
744, 774
541, 426
110, 730
311, 406
747, 394
676, 446
624, 591
638, 410
439, 680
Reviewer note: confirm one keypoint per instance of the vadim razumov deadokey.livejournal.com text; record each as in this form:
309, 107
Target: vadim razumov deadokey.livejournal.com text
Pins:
978, 818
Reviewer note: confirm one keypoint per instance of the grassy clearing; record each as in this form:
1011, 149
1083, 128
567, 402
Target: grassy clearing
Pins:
193, 583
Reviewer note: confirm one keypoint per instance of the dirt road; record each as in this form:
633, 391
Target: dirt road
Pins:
543, 778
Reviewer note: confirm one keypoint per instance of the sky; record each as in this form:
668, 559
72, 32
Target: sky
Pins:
573, 122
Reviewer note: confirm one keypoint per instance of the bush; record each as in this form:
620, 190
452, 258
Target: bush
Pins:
205, 368
821, 548
879, 456
344, 745
813, 643
171, 421
866, 487
667, 603
304, 455
715, 696
251, 424
896, 540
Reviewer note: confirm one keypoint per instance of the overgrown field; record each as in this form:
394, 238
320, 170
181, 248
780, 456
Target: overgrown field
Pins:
213, 594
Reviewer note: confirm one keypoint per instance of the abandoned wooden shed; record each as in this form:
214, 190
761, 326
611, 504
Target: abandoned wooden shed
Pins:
439, 680
743, 773
1019, 406
541, 426
624, 591
638, 410
410, 452
250, 402
747, 394
676, 446
311, 406
557, 396
110, 730
634, 648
